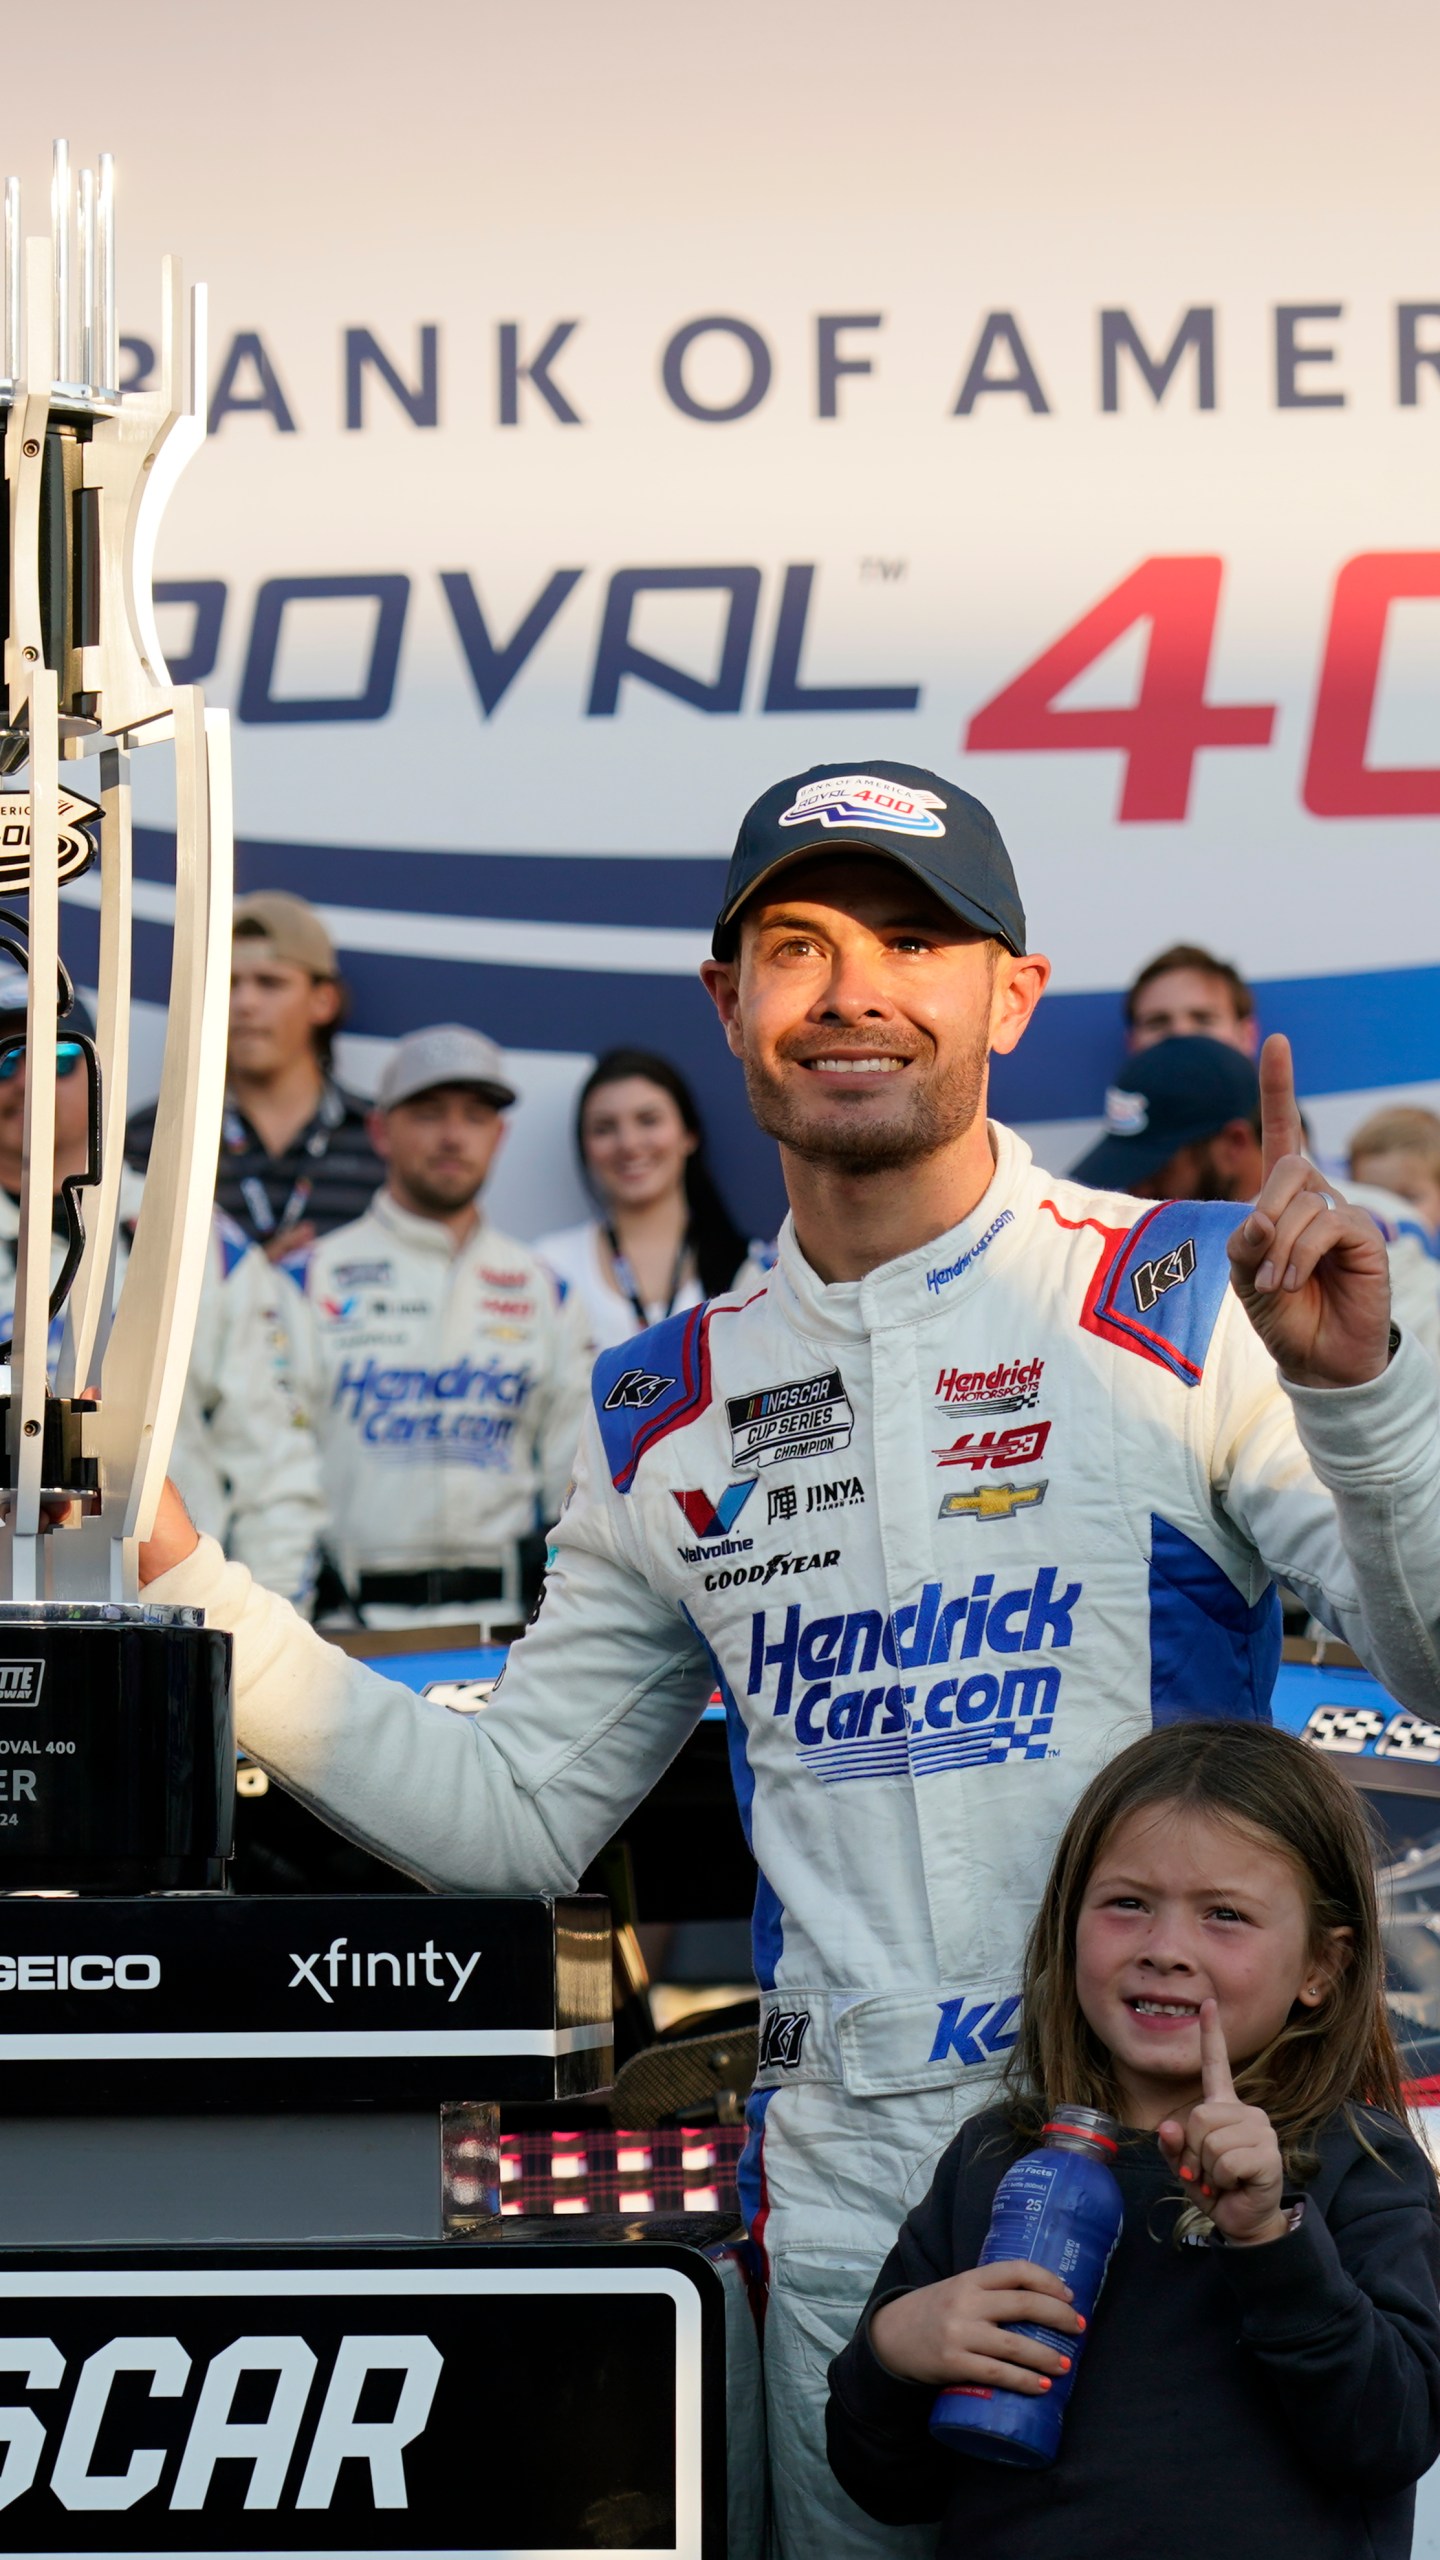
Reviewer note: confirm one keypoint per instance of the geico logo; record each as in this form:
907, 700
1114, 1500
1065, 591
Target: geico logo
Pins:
925, 1633
374, 1968
91, 2472
463, 1382
767, 1572
1025, 1694
79, 1973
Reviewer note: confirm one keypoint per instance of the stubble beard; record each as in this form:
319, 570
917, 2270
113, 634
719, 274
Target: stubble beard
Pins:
941, 1107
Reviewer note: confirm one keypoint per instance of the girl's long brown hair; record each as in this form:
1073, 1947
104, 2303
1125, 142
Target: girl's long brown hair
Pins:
1286, 1794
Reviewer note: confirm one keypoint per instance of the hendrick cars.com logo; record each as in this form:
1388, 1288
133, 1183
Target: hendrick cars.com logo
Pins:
323, 2402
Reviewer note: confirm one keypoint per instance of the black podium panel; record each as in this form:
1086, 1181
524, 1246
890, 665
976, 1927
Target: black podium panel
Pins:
457, 2400
324, 2001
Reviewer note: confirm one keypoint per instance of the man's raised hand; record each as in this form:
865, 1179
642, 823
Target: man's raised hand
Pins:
1226, 2152
1310, 1271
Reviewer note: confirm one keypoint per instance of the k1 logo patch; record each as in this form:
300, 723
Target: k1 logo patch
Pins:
634, 1389
1151, 1280
781, 2039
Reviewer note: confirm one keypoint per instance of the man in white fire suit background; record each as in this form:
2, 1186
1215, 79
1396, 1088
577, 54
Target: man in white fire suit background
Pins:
450, 1374
992, 1474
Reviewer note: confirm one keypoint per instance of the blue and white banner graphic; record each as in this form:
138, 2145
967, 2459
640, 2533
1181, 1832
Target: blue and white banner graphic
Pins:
614, 412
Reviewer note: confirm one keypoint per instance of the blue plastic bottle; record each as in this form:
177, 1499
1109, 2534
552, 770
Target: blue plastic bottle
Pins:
1060, 2208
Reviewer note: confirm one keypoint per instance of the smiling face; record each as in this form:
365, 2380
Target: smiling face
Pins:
1182, 1908
863, 1012
635, 1143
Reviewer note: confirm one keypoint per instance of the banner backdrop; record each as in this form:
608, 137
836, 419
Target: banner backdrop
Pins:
614, 410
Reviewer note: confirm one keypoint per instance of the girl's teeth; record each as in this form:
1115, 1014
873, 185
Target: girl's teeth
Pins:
1165, 2008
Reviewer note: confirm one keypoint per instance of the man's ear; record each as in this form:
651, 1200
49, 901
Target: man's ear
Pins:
1016, 990
326, 998
378, 1132
721, 979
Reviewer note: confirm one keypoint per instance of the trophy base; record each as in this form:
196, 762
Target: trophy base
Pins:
117, 1751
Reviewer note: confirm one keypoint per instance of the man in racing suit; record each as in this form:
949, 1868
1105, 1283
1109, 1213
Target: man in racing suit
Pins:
994, 1473
449, 1370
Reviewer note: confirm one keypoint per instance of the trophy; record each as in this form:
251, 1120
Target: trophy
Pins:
116, 1754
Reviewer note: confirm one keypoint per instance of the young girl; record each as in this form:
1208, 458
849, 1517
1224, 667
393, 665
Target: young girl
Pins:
1263, 2376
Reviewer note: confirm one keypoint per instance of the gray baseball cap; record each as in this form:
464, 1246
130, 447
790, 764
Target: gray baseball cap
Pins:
448, 1053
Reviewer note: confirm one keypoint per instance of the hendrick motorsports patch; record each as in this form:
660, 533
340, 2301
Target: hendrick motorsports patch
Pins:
807, 1418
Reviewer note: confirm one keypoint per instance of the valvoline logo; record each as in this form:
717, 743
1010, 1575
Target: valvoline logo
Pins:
339, 1310
716, 1519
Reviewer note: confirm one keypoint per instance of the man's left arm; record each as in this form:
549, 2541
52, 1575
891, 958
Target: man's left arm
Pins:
1359, 1412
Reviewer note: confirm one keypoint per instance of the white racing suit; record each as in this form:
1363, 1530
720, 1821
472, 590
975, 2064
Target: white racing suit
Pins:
244, 1457
449, 1388
947, 1537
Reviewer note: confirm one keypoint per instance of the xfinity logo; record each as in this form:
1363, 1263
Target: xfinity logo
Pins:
20, 1683
362, 1971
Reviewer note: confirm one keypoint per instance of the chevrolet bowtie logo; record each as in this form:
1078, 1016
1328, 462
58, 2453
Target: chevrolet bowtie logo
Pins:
993, 1501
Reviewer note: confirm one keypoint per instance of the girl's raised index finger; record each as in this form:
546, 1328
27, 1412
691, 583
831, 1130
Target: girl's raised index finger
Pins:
1215, 2079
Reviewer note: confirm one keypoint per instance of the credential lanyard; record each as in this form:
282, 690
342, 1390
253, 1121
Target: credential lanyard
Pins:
252, 1188
625, 1279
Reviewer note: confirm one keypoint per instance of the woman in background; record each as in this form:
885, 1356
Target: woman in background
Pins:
664, 1239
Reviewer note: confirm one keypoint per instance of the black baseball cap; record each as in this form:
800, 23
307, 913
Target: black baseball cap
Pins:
1172, 1096
915, 818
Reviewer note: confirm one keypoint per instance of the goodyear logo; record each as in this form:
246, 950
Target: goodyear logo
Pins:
935, 1685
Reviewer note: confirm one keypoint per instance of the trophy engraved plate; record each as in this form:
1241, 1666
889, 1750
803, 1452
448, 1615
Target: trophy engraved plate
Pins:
116, 1750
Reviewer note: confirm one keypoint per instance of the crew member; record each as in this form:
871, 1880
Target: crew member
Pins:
994, 1473
295, 1152
1185, 1124
452, 1371
244, 1455
1186, 992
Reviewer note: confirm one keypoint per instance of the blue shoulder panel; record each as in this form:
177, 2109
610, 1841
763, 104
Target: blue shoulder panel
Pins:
1211, 1653
1160, 1290
653, 1384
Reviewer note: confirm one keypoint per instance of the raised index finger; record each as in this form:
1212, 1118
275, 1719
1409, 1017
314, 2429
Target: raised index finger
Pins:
1215, 2079
1280, 1130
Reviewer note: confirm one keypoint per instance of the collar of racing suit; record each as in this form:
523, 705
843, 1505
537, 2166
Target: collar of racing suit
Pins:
422, 1235
935, 1277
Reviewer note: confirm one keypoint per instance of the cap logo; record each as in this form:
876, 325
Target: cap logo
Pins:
863, 799
1126, 1114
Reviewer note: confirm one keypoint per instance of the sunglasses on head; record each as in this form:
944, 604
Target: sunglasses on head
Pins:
68, 1054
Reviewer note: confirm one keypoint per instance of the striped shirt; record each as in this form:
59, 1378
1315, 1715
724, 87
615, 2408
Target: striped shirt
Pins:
326, 1176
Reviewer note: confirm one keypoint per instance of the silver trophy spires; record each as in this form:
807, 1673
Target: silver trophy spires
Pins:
88, 469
